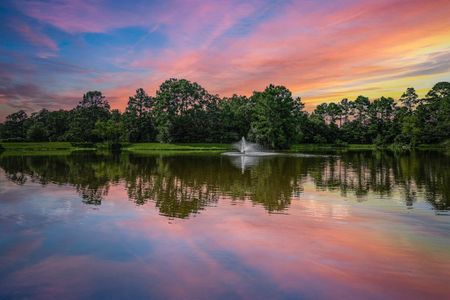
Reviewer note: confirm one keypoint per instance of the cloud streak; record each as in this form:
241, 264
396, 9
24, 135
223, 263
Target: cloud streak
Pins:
34, 36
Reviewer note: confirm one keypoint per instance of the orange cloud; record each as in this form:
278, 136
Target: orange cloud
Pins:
324, 55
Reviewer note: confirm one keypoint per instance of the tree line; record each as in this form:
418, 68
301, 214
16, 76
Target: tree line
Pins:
184, 112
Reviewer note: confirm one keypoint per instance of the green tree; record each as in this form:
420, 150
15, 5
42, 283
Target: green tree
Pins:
14, 127
138, 117
433, 115
346, 109
235, 118
109, 131
181, 111
334, 112
440, 90
382, 127
37, 133
409, 99
361, 108
275, 117
57, 124
93, 108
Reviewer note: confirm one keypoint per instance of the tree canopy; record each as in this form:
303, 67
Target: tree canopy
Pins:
184, 111
275, 117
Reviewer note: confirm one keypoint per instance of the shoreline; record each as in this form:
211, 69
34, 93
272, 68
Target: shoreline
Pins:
195, 147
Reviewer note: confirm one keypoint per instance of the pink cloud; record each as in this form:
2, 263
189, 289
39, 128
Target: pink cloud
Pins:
321, 50
76, 15
180, 17
308, 51
34, 36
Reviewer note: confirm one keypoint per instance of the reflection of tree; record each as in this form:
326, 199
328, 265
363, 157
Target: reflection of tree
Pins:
176, 193
14, 169
383, 172
180, 186
89, 173
274, 181
176, 199
92, 196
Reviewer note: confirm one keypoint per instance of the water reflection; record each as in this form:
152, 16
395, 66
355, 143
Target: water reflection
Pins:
99, 226
244, 162
183, 185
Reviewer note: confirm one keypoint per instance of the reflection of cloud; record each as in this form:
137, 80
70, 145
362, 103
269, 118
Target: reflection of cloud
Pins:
324, 211
298, 255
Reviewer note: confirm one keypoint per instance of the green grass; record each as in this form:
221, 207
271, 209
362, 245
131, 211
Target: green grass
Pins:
54, 146
443, 146
319, 147
35, 153
193, 147
141, 147
176, 152
363, 147
43, 146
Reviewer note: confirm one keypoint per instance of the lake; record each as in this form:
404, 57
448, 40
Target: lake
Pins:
342, 225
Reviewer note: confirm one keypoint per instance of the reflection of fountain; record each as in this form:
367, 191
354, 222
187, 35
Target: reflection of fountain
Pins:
244, 161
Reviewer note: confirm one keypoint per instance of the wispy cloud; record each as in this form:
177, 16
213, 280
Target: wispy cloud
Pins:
47, 46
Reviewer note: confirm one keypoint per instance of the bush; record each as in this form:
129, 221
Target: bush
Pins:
14, 139
446, 144
109, 145
115, 146
340, 143
83, 145
37, 133
400, 147
318, 139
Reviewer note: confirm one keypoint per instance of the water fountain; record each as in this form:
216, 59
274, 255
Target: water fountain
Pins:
246, 148
243, 145
249, 154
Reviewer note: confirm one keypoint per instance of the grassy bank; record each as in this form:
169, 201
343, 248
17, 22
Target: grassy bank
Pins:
141, 147
322, 147
43, 146
365, 147
442, 146
200, 147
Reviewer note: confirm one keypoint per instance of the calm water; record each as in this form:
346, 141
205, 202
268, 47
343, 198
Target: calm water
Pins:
358, 225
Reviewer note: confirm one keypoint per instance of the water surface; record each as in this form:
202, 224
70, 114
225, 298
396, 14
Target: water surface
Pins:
355, 225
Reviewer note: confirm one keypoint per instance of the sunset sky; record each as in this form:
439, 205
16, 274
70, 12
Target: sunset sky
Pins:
51, 52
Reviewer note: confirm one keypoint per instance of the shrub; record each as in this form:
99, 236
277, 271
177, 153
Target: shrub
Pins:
83, 145
14, 139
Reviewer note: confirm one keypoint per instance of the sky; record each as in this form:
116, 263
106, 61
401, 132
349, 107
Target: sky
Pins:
51, 52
